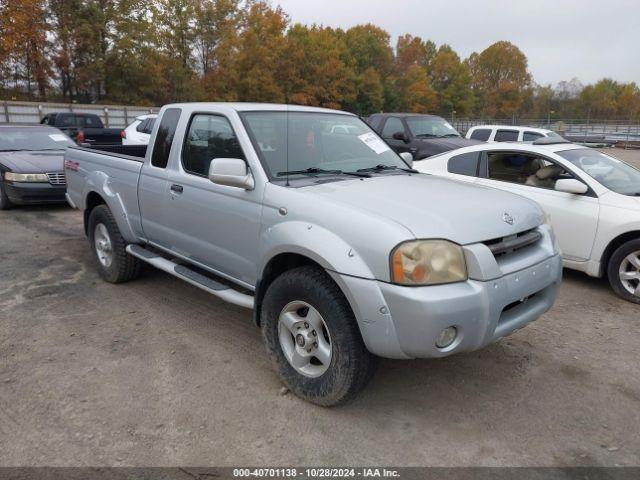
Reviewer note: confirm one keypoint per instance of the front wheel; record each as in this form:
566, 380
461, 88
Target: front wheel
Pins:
313, 339
624, 271
115, 265
5, 203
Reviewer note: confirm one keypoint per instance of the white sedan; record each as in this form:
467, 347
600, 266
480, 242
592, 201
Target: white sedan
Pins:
592, 199
139, 131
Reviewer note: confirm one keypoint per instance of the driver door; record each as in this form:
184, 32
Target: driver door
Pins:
574, 217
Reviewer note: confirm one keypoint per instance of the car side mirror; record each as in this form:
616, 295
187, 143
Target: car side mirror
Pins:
232, 172
400, 136
407, 157
571, 185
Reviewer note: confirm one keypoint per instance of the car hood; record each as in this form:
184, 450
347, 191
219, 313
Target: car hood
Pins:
434, 207
433, 146
33, 162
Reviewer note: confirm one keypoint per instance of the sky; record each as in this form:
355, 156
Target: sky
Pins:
562, 39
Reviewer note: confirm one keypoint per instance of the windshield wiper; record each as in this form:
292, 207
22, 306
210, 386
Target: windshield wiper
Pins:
316, 171
382, 168
449, 135
425, 135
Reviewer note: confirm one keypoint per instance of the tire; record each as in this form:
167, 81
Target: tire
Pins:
623, 271
300, 295
5, 203
115, 265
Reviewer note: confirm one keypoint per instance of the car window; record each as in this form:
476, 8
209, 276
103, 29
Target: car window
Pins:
141, 126
481, 134
90, 121
464, 164
209, 137
149, 126
525, 169
164, 137
506, 136
426, 127
391, 126
531, 136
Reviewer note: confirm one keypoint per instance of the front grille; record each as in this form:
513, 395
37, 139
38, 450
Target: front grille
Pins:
57, 178
513, 243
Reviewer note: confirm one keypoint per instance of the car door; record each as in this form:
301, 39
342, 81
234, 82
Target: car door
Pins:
216, 226
574, 217
391, 127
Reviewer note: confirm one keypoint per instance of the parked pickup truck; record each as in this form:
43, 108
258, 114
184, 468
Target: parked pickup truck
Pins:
342, 250
84, 128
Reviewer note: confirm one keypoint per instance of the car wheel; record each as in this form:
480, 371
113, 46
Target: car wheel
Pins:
115, 265
5, 203
313, 339
624, 271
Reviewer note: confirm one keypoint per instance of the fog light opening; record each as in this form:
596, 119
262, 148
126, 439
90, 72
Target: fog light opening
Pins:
447, 337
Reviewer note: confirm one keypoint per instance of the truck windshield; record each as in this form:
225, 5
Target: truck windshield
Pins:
425, 127
614, 174
318, 143
26, 138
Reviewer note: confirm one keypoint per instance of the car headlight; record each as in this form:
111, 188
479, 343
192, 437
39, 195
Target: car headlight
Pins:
26, 177
428, 262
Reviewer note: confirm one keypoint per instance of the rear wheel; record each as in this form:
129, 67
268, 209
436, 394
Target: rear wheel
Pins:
115, 265
5, 203
624, 271
313, 338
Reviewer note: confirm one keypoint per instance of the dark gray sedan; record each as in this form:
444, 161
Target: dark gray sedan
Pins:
32, 165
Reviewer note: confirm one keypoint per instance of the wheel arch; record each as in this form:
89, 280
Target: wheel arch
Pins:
613, 246
92, 200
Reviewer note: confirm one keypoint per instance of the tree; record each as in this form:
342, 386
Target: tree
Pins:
412, 50
416, 93
500, 79
452, 81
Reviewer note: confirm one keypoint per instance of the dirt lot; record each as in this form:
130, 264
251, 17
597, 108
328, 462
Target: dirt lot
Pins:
157, 372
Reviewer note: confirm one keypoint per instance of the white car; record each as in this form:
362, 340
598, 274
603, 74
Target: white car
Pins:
509, 133
592, 200
139, 131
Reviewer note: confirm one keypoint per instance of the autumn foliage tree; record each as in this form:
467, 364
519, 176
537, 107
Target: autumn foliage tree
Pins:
160, 51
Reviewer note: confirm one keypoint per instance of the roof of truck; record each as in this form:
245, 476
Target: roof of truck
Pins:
252, 107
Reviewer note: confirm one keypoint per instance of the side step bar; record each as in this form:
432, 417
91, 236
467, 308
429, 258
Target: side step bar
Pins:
207, 284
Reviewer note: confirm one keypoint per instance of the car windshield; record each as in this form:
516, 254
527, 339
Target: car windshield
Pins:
312, 143
614, 174
27, 138
430, 127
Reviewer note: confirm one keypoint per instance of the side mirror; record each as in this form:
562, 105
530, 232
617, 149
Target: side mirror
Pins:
400, 136
571, 185
232, 172
407, 157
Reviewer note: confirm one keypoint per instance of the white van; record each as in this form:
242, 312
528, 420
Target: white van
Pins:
509, 133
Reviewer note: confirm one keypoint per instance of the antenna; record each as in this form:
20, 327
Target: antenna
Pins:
287, 142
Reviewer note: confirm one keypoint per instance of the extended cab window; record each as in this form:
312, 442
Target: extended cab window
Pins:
392, 125
481, 134
506, 136
464, 164
164, 137
209, 137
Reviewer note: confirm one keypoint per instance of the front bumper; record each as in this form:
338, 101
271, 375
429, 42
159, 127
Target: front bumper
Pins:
404, 322
24, 193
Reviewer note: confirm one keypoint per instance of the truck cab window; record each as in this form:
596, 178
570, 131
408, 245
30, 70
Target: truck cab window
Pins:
209, 137
481, 134
392, 125
164, 137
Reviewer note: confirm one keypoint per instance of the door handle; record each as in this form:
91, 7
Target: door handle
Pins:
177, 188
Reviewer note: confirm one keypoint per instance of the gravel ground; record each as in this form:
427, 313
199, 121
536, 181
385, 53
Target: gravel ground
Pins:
157, 372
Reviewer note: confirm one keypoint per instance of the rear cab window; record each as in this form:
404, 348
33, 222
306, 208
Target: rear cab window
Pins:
164, 137
506, 136
481, 134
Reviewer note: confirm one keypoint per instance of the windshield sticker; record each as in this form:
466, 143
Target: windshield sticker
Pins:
57, 137
373, 142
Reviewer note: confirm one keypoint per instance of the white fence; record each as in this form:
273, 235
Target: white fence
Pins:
116, 116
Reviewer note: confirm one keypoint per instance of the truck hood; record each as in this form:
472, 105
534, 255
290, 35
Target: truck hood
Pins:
434, 207
433, 146
33, 162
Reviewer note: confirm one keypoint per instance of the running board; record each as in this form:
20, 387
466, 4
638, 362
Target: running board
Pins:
196, 279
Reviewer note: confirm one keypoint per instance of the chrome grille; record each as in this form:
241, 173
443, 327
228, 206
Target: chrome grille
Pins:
57, 178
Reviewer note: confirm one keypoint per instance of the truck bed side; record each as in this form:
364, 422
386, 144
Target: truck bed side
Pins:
111, 176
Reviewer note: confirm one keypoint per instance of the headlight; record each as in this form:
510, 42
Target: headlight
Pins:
428, 262
26, 177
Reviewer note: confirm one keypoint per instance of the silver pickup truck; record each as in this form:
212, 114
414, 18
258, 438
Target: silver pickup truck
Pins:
305, 215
